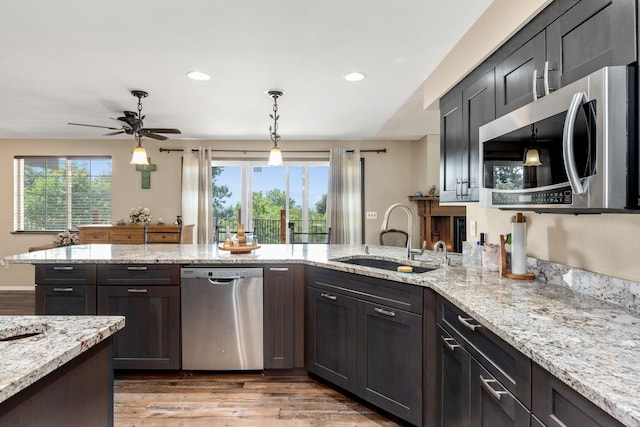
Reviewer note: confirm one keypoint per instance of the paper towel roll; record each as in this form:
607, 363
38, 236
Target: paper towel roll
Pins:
518, 248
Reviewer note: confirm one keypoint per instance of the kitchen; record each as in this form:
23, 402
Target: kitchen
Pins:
558, 238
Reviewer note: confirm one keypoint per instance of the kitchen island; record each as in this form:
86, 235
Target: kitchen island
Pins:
56, 370
590, 345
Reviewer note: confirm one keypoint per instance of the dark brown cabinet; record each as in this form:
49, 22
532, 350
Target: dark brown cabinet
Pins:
364, 336
283, 316
331, 337
517, 76
591, 35
482, 381
65, 289
462, 116
149, 298
556, 405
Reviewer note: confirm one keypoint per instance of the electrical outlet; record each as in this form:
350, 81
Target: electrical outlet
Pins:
473, 228
372, 215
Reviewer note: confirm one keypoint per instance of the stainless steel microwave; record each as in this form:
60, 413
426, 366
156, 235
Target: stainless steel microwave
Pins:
573, 151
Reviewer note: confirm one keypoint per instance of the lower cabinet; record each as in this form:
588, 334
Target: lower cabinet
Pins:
149, 298
283, 314
557, 405
454, 382
68, 300
363, 346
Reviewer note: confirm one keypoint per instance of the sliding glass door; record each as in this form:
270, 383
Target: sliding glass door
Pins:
278, 204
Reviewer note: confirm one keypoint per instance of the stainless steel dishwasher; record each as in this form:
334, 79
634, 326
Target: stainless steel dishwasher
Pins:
222, 318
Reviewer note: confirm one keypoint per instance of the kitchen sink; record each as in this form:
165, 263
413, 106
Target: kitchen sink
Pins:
382, 264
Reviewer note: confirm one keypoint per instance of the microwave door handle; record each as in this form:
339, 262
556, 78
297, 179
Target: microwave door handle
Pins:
567, 143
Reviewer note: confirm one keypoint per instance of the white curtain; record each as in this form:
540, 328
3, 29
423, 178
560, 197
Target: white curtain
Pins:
344, 207
196, 193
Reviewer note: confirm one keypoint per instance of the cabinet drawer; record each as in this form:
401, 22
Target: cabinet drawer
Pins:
163, 237
557, 404
134, 237
508, 365
139, 274
393, 294
65, 300
66, 274
91, 236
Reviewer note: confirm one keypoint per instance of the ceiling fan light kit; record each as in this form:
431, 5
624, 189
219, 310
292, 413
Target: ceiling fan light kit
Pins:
275, 155
132, 124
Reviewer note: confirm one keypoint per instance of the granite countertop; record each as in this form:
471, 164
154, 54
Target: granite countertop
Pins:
55, 341
591, 345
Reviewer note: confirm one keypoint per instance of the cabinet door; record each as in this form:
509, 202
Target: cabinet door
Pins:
331, 337
451, 149
515, 76
389, 367
65, 299
491, 403
279, 295
558, 405
589, 36
454, 383
478, 108
151, 337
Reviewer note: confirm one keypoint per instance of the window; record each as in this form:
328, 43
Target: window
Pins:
58, 193
257, 194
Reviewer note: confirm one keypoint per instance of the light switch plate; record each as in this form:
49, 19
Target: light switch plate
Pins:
372, 215
473, 228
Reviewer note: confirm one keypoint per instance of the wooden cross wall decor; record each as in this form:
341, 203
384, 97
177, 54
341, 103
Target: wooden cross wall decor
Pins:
146, 173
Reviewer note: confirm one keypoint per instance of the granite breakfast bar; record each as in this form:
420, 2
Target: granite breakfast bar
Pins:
57, 370
588, 344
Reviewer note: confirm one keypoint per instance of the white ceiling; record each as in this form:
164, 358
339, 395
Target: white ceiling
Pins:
77, 60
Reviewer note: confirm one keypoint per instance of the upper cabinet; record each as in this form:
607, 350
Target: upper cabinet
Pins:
589, 36
462, 116
568, 40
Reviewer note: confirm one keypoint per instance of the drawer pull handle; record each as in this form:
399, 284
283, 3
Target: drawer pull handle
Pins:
66, 268
278, 269
487, 387
385, 312
466, 324
137, 291
448, 342
62, 289
327, 296
130, 268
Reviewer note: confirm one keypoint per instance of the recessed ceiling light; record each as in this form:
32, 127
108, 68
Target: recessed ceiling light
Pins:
355, 76
198, 75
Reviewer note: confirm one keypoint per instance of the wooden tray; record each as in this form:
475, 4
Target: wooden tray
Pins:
239, 249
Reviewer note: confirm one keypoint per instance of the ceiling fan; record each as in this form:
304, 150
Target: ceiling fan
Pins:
131, 123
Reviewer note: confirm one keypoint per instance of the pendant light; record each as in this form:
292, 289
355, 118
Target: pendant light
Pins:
531, 155
275, 156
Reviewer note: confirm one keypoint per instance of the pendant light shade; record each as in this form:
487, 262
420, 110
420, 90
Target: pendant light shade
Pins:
139, 156
532, 158
275, 156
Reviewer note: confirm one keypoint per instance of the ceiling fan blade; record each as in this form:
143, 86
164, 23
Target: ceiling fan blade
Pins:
93, 126
114, 133
162, 130
154, 135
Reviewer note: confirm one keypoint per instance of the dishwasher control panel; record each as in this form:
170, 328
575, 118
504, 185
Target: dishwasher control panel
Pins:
219, 273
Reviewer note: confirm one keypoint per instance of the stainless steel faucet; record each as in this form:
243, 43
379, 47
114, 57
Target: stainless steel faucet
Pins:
440, 243
411, 253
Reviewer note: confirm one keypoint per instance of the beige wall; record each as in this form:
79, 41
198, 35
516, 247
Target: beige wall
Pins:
389, 178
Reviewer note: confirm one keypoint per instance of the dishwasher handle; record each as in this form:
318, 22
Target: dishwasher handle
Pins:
222, 280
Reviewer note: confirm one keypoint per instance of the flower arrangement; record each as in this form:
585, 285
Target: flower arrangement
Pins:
66, 238
139, 215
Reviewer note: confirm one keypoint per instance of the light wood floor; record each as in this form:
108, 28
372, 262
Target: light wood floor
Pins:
210, 399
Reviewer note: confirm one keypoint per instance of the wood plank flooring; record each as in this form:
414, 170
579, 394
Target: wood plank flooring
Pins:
211, 399
245, 399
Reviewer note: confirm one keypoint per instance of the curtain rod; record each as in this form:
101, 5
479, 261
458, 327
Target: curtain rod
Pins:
168, 150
